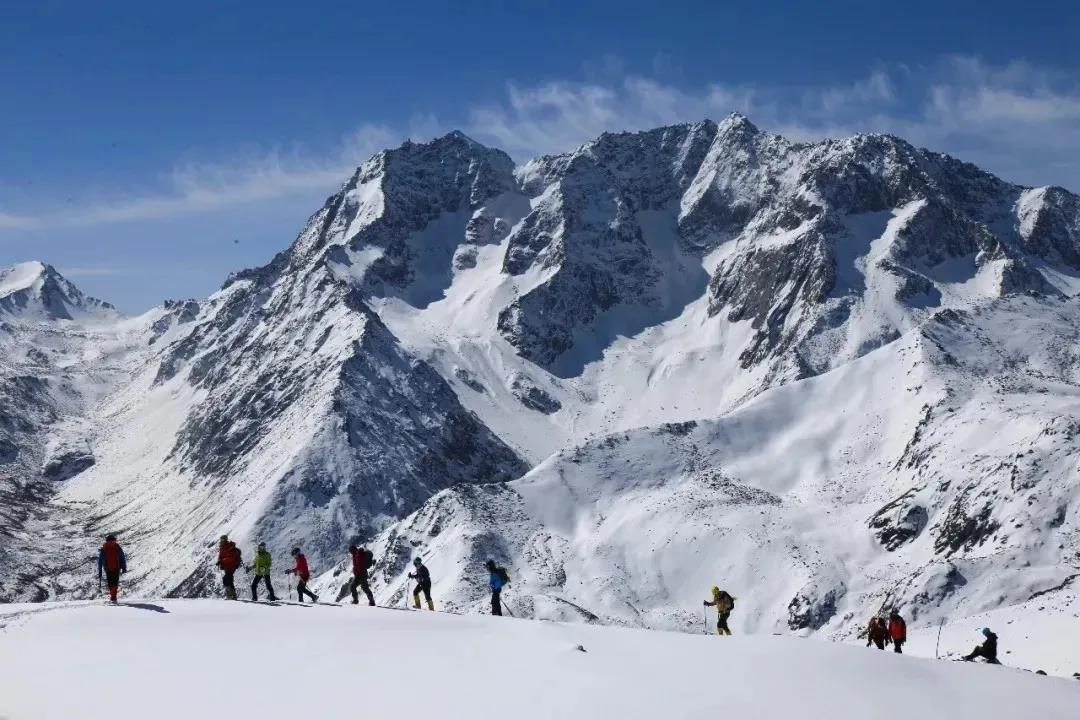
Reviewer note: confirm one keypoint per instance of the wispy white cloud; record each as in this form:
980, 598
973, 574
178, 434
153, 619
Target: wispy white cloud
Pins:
1014, 119
90, 271
16, 222
1017, 120
194, 188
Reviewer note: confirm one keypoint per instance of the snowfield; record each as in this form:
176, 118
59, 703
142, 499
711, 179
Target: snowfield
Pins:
182, 659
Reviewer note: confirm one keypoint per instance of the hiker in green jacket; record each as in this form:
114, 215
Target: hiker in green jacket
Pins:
262, 572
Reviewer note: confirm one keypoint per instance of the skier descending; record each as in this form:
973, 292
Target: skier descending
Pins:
877, 632
362, 560
113, 562
262, 572
897, 631
497, 578
423, 584
300, 569
987, 650
724, 604
229, 562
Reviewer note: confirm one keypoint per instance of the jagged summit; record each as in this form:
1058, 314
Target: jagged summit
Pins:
35, 290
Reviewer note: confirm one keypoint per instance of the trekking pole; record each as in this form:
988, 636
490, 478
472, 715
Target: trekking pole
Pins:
705, 617
938, 646
507, 608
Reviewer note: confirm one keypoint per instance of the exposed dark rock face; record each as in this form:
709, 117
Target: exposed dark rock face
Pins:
68, 465
532, 395
899, 522
813, 609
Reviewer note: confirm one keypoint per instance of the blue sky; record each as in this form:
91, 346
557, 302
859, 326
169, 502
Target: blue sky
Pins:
148, 149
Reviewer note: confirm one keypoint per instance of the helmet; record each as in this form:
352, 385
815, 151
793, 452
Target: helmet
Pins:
351, 548
296, 551
986, 632
262, 545
489, 564
416, 561
224, 538
110, 538
715, 591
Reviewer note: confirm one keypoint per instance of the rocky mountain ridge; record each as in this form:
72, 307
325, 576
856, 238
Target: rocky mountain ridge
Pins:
447, 321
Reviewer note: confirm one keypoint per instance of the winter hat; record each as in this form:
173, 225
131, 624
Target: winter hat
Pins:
111, 538
296, 551
224, 538
490, 564
416, 561
986, 632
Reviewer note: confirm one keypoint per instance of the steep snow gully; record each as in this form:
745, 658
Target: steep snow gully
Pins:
834, 378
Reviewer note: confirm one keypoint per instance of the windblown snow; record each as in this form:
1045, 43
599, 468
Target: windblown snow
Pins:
832, 378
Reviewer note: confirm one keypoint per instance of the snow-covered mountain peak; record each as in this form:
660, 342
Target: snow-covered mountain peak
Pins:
36, 291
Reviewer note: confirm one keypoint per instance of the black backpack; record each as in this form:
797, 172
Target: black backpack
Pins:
369, 559
504, 576
239, 557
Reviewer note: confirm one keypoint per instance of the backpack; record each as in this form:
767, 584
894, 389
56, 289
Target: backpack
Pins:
504, 577
369, 559
725, 602
237, 556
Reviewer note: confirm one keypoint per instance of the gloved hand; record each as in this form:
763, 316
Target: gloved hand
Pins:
124, 571
705, 603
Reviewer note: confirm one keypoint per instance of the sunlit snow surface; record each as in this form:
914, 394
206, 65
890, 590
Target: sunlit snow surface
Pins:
175, 660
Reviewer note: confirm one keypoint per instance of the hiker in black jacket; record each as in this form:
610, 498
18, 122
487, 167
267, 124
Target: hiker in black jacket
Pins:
987, 650
423, 584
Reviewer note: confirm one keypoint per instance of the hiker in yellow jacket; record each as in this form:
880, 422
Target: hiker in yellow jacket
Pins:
261, 566
724, 604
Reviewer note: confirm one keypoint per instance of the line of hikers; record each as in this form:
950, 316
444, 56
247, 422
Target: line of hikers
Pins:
113, 562
230, 560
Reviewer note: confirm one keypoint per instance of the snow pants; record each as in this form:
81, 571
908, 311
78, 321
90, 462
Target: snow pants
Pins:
979, 652
897, 644
880, 642
227, 579
301, 590
496, 602
721, 624
255, 587
361, 582
426, 589
112, 581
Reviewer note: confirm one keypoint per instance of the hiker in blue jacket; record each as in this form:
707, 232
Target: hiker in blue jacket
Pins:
497, 577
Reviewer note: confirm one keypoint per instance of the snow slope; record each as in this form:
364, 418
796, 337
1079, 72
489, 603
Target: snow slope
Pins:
183, 659
937, 474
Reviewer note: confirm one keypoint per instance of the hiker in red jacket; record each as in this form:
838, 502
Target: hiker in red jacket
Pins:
229, 562
361, 563
303, 575
897, 631
877, 632
113, 562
